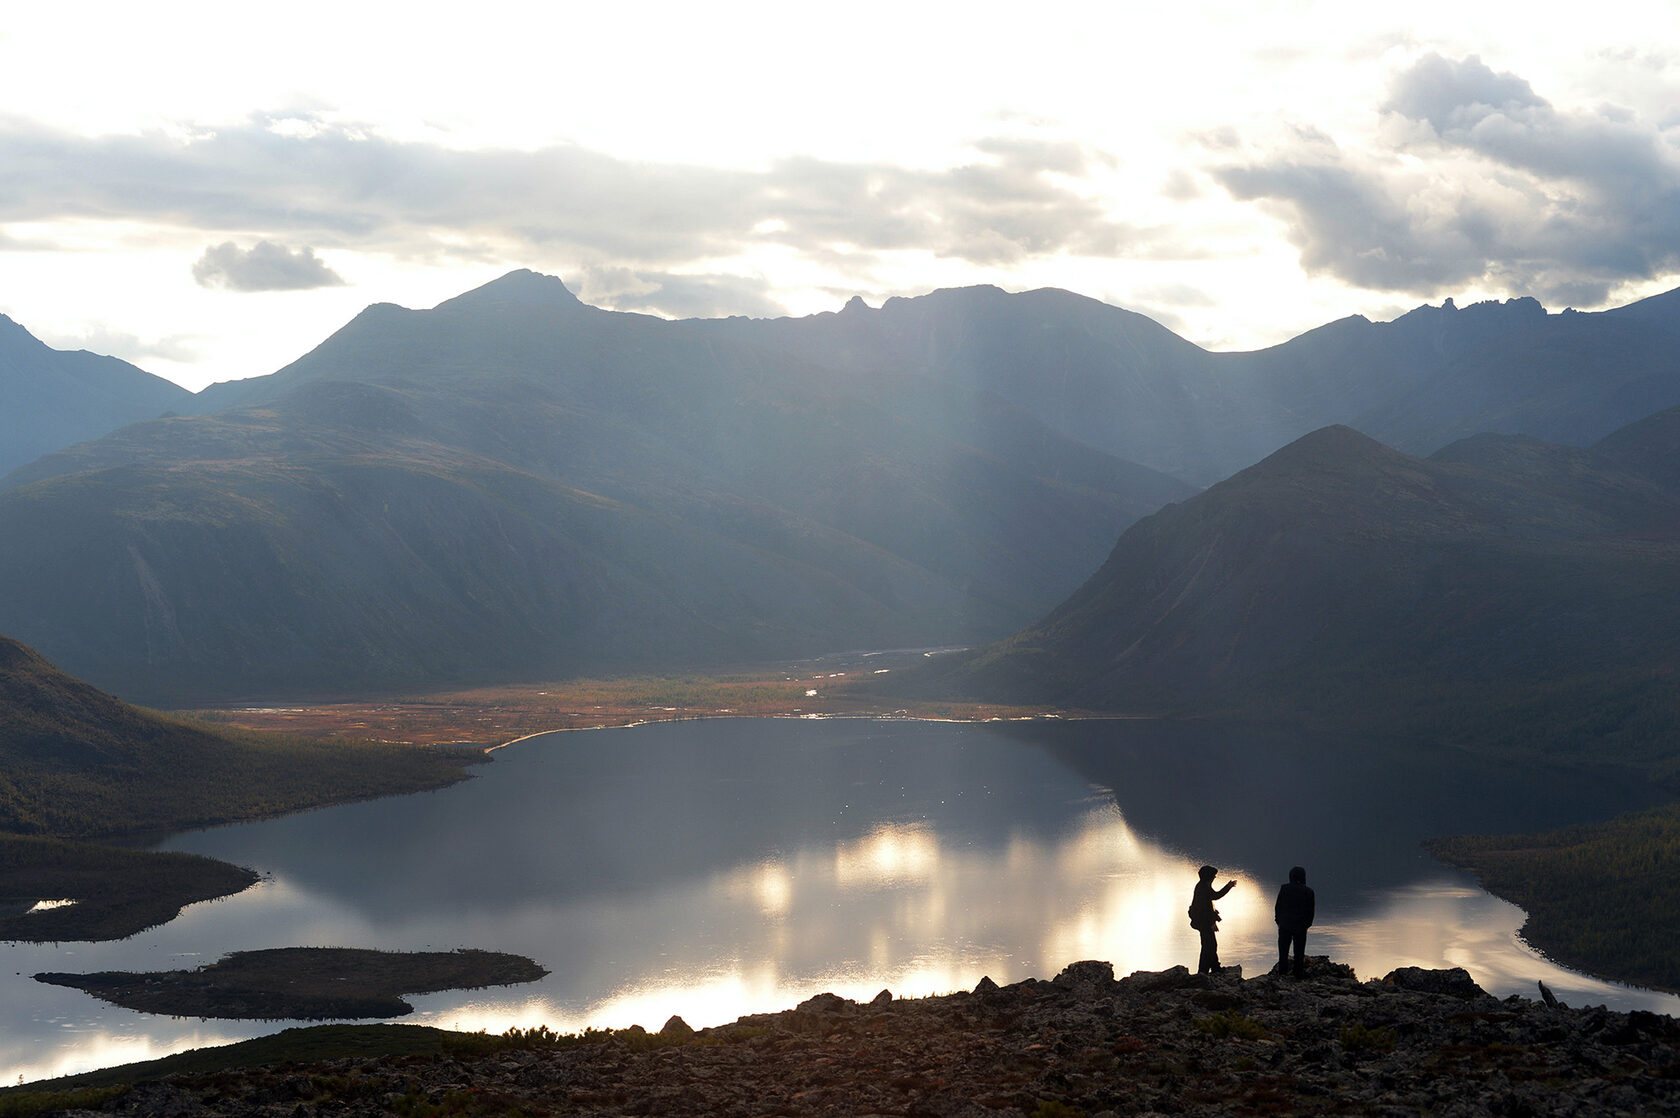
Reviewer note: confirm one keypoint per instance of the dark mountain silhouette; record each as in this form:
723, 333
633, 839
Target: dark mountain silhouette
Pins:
515, 485
50, 398
1502, 591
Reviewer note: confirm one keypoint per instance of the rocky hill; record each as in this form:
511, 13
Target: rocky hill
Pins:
1415, 1042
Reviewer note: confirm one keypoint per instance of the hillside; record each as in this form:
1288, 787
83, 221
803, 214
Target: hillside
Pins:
515, 486
51, 398
76, 762
1599, 897
1504, 592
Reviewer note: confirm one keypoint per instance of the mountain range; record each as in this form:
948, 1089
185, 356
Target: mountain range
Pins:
1122, 383
514, 485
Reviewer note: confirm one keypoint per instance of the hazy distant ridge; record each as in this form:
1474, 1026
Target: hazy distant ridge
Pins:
51, 398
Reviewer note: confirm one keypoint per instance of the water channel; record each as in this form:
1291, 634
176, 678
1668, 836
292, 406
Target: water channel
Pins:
715, 868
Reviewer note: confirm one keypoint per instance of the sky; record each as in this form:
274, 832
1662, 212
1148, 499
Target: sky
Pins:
209, 190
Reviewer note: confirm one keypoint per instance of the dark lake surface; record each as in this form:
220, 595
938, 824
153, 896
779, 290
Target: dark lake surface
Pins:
721, 867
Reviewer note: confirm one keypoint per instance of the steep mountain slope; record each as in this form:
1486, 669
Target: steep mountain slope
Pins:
1504, 588
51, 398
76, 761
514, 485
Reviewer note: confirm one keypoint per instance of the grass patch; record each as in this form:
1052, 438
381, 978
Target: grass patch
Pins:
1358, 1038
304, 1045
1224, 1025
25, 1104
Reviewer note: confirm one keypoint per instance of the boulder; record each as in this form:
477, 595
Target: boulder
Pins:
1455, 982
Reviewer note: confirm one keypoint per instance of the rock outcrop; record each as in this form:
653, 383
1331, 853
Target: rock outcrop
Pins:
1415, 1042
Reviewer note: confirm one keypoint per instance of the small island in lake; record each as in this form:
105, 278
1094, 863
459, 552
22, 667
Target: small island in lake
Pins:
303, 983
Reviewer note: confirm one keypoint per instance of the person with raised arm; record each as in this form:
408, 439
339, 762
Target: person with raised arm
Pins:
1205, 918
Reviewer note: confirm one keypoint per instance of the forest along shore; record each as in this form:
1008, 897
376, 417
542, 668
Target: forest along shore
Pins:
1416, 1041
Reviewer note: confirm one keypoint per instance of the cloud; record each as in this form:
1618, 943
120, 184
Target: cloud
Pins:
1486, 183
1453, 95
265, 266
101, 338
677, 296
336, 185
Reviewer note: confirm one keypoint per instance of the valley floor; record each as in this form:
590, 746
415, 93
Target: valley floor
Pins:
489, 716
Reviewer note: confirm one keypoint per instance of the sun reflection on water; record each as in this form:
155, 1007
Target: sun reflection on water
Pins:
900, 909
697, 908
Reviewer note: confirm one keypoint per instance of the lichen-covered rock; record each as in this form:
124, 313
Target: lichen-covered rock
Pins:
1091, 974
1455, 982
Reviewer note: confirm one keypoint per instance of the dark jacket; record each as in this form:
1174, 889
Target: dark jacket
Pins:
1295, 902
1202, 913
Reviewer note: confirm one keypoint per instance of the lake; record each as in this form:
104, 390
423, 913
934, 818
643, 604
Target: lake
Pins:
721, 867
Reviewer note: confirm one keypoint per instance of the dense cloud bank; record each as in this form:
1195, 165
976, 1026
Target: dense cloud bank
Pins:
1482, 181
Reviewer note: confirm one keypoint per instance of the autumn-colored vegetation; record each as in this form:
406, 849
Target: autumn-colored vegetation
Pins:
495, 715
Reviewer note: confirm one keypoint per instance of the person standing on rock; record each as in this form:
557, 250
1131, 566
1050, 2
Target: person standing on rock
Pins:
1294, 913
1205, 918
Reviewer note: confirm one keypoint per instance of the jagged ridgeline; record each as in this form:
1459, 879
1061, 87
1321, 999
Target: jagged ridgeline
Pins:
514, 485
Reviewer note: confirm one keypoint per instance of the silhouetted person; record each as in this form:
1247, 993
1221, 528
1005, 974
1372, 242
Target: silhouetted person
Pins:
1294, 912
1205, 918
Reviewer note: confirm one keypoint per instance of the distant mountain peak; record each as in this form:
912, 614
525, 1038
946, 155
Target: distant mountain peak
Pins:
1336, 444
15, 332
519, 288
855, 305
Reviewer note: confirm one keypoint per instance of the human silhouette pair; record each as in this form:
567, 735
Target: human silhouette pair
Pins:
1294, 913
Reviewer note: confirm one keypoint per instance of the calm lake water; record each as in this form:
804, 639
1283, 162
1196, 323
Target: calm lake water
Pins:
716, 868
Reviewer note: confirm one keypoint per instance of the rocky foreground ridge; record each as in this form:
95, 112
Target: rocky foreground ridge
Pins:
1170, 1042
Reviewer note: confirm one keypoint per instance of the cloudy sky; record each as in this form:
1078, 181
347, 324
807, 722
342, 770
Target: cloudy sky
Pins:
208, 190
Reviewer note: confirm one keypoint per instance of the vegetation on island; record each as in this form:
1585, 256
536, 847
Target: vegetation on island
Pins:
1600, 897
303, 983
96, 892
